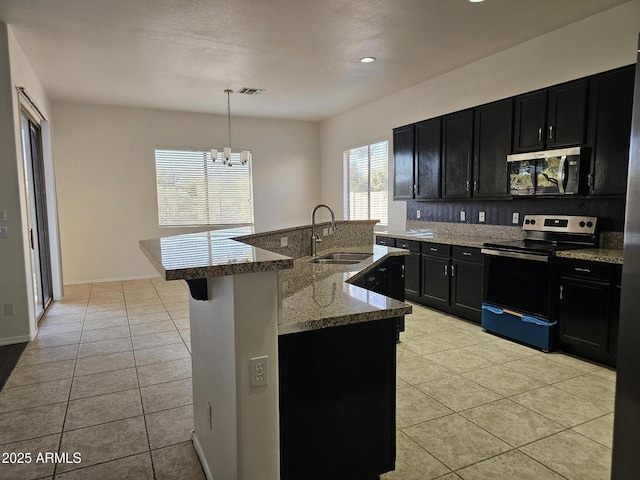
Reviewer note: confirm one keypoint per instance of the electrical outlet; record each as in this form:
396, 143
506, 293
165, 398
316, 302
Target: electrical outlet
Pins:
3, 215
481, 217
4, 232
463, 216
259, 371
418, 214
284, 241
516, 218
9, 310
209, 419
325, 232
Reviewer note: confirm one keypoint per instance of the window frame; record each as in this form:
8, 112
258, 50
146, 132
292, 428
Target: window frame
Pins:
209, 191
383, 222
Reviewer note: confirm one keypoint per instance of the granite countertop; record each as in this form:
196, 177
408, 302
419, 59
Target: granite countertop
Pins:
312, 295
209, 254
435, 237
605, 255
319, 295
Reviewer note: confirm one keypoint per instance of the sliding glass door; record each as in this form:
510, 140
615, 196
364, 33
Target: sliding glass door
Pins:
37, 214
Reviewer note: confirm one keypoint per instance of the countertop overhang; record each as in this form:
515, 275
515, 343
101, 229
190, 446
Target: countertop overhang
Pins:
214, 253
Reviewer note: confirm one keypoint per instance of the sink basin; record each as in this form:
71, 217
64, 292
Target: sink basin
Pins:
342, 258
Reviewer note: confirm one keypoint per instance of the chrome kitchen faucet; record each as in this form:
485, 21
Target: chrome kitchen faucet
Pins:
315, 237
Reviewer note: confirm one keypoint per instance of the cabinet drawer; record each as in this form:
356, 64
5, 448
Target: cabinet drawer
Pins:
586, 270
436, 249
470, 254
411, 245
386, 241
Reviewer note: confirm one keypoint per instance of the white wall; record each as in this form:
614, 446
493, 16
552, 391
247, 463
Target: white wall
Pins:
105, 173
598, 43
15, 284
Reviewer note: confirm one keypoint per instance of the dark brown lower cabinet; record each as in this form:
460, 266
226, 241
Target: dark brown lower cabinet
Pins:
587, 309
466, 283
337, 402
452, 280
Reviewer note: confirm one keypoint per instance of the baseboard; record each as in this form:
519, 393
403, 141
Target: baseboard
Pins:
200, 453
118, 279
13, 340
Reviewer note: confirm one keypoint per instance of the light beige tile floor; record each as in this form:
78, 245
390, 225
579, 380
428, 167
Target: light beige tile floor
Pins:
109, 376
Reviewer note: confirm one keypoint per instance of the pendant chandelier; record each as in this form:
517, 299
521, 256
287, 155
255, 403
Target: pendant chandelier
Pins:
245, 155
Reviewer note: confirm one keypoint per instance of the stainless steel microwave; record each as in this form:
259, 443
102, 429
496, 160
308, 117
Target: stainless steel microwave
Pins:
551, 172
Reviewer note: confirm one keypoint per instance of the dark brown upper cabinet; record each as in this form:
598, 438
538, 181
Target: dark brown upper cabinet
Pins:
491, 144
457, 143
403, 159
610, 107
428, 161
552, 118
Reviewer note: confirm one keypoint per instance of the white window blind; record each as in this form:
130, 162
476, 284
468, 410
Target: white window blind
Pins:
366, 183
194, 191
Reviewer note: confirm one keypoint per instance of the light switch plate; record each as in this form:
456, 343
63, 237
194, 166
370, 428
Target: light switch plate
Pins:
463, 216
418, 214
284, 241
325, 232
3, 215
4, 232
516, 218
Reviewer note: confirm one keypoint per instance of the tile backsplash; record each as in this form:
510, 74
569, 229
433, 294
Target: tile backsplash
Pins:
610, 211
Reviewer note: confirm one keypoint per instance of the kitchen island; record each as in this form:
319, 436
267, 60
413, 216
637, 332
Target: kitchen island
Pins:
248, 307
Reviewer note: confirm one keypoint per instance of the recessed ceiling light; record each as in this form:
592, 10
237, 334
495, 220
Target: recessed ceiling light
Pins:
476, 1
367, 59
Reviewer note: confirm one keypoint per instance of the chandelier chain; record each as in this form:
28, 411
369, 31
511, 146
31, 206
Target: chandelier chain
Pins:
228, 92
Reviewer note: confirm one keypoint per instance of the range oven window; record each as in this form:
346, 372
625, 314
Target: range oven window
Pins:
517, 284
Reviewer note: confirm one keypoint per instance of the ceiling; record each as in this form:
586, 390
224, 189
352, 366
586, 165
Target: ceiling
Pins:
182, 54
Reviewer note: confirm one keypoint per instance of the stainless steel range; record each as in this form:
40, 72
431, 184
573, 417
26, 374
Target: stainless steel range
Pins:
516, 292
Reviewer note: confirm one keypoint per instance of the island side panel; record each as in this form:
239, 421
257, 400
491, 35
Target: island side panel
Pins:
236, 323
337, 402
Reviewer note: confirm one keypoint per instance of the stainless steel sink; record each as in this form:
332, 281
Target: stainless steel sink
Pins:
342, 258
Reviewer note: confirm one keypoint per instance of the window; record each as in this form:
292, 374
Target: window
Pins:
365, 183
194, 191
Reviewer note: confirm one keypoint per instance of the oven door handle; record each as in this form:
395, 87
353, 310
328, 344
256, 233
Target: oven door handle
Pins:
522, 256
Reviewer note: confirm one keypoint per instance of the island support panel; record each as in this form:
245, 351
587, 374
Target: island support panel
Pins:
236, 427
337, 402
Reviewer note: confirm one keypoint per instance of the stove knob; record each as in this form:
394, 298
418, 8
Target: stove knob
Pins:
589, 224
527, 221
533, 222
582, 224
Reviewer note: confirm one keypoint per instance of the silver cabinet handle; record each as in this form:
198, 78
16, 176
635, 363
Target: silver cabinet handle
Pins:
405, 246
433, 249
561, 291
540, 134
466, 254
475, 186
551, 132
585, 270
382, 269
446, 270
453, 270
468, 185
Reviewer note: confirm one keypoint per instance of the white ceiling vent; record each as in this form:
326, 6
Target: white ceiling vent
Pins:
250, 91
